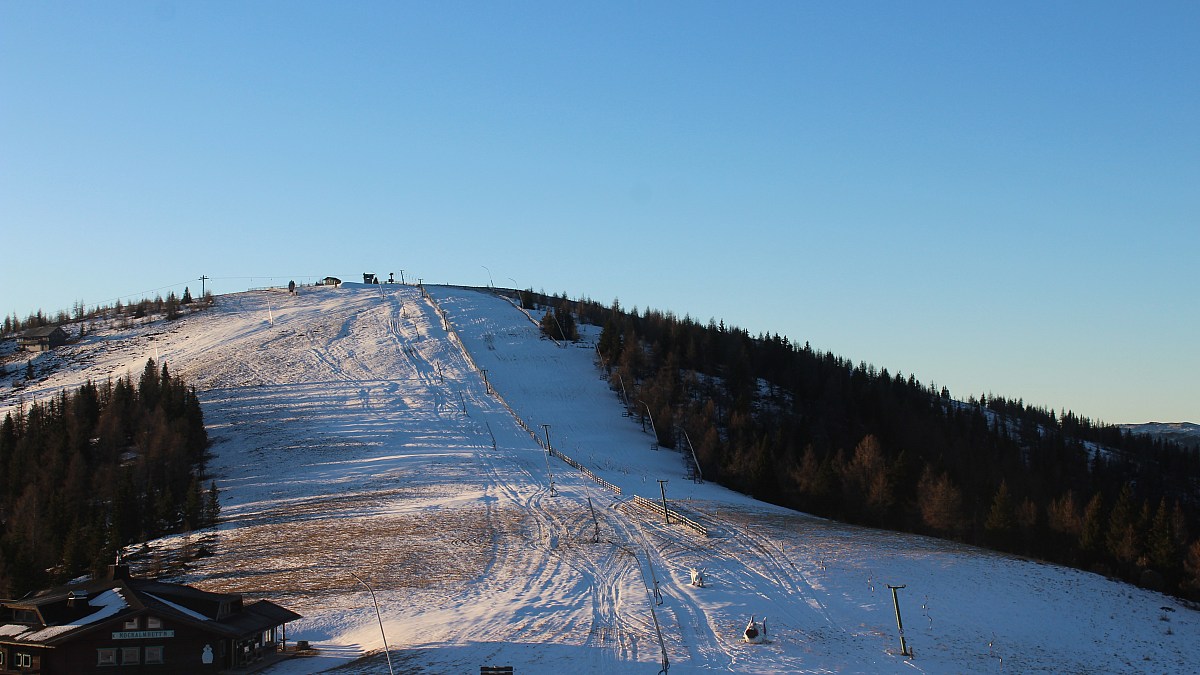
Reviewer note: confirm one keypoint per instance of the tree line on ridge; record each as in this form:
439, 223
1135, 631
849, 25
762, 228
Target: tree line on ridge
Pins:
90, 471
813, 431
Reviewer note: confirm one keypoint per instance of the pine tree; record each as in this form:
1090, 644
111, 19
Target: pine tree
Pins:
149, 387
1163, 551
1091, 532
549, 328
610, 343
193, 507
212, 505
1001, 522
1191, 569
565, 321
1122, 534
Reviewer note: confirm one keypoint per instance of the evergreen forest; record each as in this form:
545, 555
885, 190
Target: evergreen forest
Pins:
172, 307
813, 431
90, 471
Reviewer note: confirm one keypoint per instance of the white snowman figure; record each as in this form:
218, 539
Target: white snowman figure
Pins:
206, 657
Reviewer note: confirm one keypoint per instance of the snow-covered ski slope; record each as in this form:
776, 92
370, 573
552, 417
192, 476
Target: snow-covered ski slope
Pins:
353, 433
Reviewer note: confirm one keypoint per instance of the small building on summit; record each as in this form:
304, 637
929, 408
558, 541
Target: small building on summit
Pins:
42, 339
136, 626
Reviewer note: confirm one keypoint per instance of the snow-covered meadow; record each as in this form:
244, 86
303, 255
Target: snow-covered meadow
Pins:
354, 434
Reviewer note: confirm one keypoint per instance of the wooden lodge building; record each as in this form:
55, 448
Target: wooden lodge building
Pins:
125, 625
42, 339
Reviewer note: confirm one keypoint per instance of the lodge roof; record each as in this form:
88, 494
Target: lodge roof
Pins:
40, 332
60, 614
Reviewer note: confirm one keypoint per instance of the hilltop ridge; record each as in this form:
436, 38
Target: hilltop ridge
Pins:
353, 431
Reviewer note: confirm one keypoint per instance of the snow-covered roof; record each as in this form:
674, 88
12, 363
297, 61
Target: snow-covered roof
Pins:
107, 604
180, 608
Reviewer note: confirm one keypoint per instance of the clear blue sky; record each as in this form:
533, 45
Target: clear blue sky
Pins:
999, 197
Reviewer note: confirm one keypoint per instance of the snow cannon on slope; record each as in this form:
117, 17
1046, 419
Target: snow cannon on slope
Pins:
756, 633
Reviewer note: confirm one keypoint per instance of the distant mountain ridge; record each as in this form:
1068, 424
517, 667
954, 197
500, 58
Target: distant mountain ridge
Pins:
1186, 434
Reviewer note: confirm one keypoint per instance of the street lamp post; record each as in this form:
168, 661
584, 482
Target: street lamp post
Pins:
378, 616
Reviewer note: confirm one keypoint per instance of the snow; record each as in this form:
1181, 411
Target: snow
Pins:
107, 604
352, 433
180, 608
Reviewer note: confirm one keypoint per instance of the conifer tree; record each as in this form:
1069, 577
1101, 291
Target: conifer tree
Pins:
1091, 532
1163, 551
193, 509
149, 386
1191, 568
1121, 537
1002, 520
212, 505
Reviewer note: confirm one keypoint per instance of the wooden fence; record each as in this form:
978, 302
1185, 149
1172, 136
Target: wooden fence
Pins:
657, 508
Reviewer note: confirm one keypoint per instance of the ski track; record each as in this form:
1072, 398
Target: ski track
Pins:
351, 431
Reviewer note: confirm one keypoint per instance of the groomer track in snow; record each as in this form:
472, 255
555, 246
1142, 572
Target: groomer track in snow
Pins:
353, 432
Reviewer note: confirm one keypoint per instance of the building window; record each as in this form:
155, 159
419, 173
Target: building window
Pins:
1, 657
132, 624
153, 623
24, 661
106, 656
131, 656
154, 655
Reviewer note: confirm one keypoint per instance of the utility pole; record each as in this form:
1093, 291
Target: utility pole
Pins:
904, 650
401, 277
663, 489
202, 279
